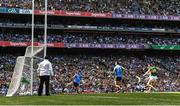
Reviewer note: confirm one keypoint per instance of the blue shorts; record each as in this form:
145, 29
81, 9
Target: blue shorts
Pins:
75, 84
119, 79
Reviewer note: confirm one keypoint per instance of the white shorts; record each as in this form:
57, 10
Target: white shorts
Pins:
153, 77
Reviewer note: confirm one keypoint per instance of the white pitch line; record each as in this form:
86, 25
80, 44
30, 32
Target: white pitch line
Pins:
167, 92
105, 97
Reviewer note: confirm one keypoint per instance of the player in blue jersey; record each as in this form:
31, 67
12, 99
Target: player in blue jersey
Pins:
77, 80
118, 72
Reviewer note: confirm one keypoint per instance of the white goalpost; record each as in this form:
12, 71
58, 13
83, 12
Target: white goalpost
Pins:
32, 46
24, 80
21, 81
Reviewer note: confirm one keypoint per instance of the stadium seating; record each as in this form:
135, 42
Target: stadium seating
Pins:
95, 38
153, 7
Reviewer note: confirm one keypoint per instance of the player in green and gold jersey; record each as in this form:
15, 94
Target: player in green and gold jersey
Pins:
152, 72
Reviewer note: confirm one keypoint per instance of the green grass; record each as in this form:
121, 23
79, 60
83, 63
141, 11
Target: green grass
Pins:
96, 99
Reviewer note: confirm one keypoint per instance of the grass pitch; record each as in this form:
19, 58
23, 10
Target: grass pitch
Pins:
96, 99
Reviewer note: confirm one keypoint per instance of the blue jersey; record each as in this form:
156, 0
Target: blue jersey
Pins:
118, 71
77, 78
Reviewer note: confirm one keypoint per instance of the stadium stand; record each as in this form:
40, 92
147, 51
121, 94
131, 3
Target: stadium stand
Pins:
96, 67
153, 7
95, 38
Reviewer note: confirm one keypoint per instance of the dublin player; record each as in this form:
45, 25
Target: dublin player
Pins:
118, 72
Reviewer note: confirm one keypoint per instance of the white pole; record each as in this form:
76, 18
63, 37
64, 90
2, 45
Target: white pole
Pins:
32, 46
45, 29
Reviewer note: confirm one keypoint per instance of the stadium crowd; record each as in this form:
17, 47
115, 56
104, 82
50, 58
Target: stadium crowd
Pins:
95, 38
120, 39
152, 7
97, 72
68, 22
7, 63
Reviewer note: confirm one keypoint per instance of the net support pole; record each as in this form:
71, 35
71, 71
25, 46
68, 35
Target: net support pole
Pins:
45, 29
32, 47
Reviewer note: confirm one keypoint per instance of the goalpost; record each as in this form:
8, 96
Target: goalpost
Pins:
24, 79
21, 81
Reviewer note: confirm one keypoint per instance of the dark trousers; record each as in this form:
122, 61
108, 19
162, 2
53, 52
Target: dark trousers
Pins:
44, 79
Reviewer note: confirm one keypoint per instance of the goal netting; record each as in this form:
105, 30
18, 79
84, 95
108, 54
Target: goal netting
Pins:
21, 80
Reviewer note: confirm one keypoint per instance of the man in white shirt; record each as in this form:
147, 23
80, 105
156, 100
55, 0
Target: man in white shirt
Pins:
45, 71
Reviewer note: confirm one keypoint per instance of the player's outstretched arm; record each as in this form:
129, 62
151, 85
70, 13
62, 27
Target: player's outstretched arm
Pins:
146, 72
124, 68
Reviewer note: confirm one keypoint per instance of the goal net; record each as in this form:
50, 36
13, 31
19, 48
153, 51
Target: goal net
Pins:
21, 79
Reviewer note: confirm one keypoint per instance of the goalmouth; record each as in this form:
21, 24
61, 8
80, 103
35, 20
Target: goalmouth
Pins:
22, 79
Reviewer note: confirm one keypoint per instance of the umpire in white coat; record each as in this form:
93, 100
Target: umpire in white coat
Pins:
45, 71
